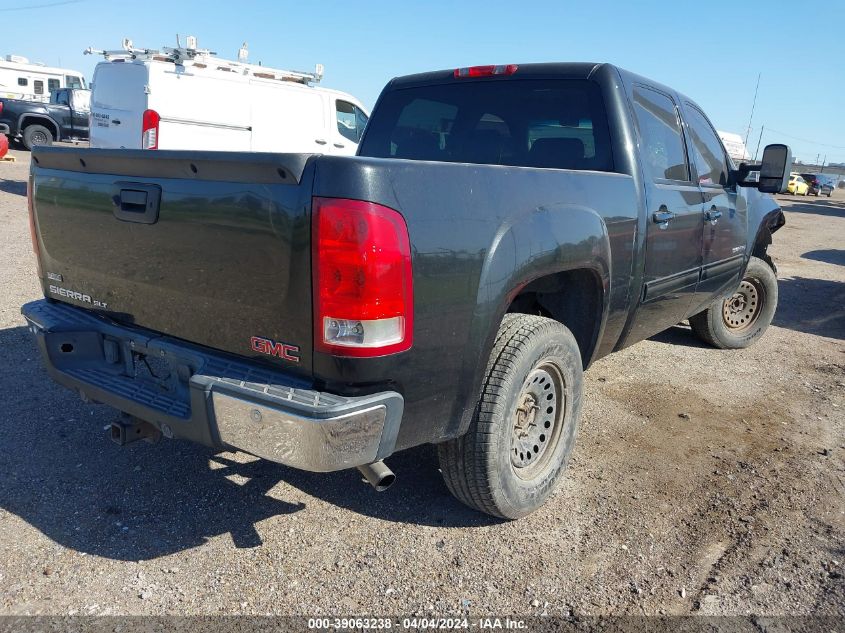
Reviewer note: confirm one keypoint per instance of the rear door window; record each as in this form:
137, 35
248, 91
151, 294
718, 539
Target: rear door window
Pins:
558, 124
663, 153
120, 86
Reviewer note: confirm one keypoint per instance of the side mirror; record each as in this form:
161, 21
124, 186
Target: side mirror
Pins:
771, 175
774, 169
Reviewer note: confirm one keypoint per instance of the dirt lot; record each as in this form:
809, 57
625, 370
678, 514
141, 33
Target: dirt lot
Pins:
736, 508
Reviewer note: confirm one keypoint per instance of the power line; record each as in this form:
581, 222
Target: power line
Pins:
798, 138
41, 6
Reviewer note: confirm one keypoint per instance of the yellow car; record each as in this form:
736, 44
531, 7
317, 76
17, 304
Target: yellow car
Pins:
797, 186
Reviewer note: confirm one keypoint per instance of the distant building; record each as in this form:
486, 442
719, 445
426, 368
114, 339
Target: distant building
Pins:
735, 147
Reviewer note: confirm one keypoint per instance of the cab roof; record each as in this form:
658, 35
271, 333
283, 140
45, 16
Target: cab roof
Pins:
572, 70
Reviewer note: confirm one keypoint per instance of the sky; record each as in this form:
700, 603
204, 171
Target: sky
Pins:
712, 51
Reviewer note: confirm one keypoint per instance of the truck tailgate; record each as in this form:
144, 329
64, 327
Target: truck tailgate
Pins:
209, 247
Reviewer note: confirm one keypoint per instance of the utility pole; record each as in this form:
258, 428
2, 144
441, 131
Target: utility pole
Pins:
824, 160
817, 159
753, 105
760, 138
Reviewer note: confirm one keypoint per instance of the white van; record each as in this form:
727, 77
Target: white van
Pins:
185, 98
34, 82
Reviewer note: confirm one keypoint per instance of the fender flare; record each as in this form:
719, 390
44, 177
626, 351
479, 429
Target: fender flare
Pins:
46, 117
529, 245
764, 218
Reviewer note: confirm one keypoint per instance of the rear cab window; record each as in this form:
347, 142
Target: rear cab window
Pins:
556, 124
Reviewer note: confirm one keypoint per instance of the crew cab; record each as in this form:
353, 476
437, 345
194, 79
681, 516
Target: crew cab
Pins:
33, 123
501, 228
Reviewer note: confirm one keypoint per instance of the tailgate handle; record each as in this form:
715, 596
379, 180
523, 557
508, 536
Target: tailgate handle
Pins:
136, 202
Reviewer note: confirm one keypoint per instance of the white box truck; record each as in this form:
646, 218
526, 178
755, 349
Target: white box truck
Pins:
188, 98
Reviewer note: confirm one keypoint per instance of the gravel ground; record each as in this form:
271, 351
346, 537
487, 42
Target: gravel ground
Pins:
735, 507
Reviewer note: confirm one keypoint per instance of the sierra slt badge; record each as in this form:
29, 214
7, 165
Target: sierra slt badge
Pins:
73, 294
272, 348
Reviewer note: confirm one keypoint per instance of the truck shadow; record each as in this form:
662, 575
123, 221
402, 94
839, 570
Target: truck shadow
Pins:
828, 256
813, 306
17, 187
680, 334
818, 206
62, 475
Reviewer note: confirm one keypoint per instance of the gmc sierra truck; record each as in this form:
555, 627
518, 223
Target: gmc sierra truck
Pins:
501, 228
33, 123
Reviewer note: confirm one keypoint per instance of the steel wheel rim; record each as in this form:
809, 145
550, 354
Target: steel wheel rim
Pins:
38, 138
537, 420
741, 311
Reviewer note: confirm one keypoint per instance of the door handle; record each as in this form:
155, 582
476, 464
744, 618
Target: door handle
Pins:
663, 215
712, 215
339, 145
320, 141
136, 202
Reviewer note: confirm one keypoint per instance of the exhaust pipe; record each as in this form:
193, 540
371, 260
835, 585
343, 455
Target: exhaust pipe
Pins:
123, 433
378, 475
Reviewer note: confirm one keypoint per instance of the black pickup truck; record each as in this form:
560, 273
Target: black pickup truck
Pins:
501, 228
33, 123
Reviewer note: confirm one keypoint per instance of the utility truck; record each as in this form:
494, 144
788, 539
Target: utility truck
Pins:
189, 98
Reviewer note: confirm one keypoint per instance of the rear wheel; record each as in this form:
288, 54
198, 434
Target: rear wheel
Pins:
523, 430
740, 320
34, 135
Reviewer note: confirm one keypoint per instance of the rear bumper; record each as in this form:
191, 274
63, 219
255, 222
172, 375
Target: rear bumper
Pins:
216, 399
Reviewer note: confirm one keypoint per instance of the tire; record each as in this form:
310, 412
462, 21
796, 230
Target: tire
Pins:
497, 467
740, 320
35, 135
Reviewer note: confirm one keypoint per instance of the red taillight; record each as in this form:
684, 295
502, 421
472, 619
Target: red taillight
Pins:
363, 288
149, 129
485, 71
30, 203
1, 107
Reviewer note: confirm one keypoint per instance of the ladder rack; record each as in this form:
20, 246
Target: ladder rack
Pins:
203, 58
